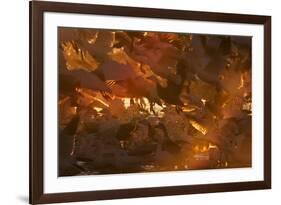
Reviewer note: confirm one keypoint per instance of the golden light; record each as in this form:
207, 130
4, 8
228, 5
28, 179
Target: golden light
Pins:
98, 109
204, 149
188, 109
203, 101
91, 97
198, 127
241, 82
212, 146
126, 102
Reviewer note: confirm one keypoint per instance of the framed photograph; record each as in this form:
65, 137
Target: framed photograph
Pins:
138, 102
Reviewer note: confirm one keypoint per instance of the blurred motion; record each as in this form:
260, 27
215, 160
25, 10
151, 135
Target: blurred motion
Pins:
149, 101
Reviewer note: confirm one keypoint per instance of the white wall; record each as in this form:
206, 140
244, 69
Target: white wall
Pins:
14, 100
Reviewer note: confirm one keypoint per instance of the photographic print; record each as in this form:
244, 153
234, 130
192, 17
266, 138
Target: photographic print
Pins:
130, 102
142, 101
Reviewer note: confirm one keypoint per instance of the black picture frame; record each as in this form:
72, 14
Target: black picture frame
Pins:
37, 9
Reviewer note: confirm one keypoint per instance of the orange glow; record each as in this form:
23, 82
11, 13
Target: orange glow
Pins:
198, 127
